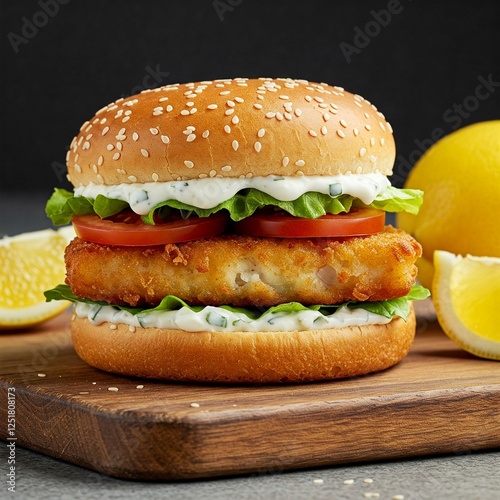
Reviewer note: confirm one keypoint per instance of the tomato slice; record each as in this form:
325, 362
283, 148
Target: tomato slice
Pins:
127, 229
357, 222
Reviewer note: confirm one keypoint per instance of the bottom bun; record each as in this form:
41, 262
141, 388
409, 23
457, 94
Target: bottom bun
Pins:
243, 357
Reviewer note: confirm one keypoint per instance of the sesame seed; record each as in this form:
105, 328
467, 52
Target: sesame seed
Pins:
231, 103
94, 168
113, 389
279, 116
313, 133
226, 168
105, 130
382, 126
373, 158
190, 103
355, 131
205, 134
285, 161
398, 497
368, 481
288, 116
155, 177
324, 130
165, 139
367, 116
372, 141
145, 153
191, 137
168, 108
340, 133
119, 146
235, 145
382, 141
212, 173
235, 120
300, 163
368, 127
195, 405
227, 129
298, 112
225, 92
78, 169
389, 127
318, 481
41, 375
257, 106
154, 131
185, 112
343, 123
112, 326
257, 146
270, 114
157, 113
212, 106
326, 117
86, 145
126, 119
261, 132
116, 156
308, 98
132, 178
348, 481
100, 160
229, 111
193, 111
358, 104
135, 136
370, 494
163, 99
362, 151
189, 164
318, 99
110, 147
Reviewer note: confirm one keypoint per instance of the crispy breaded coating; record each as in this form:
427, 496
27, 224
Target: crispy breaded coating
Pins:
245, 271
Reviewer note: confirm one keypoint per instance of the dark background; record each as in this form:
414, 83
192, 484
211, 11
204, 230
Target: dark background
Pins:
62, 60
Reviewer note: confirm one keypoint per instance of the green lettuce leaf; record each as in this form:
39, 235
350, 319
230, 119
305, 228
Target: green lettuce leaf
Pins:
399, 200
62, 205
387, 308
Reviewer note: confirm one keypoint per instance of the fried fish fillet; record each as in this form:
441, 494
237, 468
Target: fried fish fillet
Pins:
246, 271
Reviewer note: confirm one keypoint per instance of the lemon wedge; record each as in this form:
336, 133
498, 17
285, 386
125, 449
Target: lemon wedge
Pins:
31, 263
466, 294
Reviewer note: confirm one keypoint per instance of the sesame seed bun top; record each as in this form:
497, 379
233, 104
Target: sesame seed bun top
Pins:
231, 128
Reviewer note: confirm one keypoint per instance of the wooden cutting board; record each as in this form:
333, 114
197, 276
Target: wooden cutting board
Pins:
438, 400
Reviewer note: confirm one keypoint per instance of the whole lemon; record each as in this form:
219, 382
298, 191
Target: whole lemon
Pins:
460, 177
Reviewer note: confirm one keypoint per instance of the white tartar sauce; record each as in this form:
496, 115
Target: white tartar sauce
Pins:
208, 193
216, 319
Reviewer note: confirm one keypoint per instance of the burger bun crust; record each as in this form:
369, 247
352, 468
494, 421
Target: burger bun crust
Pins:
243, 357
232, 128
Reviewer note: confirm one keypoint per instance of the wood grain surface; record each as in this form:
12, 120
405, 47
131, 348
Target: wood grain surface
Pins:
438, 400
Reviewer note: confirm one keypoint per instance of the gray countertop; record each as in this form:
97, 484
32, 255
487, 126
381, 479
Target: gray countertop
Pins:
461, 476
